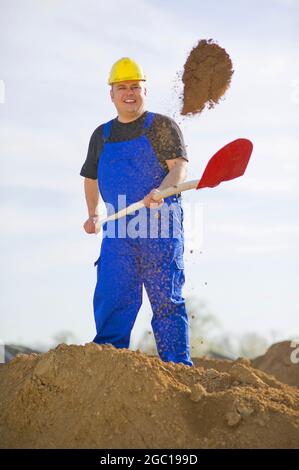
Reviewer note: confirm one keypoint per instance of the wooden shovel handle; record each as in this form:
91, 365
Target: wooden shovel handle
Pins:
139, 204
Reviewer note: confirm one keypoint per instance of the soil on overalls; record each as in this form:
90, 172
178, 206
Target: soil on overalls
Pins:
96, 396
207, 75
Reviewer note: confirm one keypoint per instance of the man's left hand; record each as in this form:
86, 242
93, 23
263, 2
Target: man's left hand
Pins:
150, 202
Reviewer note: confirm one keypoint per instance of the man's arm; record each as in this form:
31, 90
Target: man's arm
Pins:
177, 174
92, 199
91, 195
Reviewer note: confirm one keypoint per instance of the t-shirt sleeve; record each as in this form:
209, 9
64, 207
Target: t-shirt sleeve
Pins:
167, 139
90, 166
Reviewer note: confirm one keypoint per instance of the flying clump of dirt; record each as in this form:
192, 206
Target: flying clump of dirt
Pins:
96, 396
206, 77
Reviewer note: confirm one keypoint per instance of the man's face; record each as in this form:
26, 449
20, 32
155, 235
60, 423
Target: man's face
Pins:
128, 97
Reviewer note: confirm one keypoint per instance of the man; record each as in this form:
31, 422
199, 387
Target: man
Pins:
135, 156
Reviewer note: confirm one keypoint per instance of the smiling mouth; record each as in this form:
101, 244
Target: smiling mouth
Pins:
129, 101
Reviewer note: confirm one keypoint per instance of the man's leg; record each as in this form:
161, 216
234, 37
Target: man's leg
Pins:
163, 277
118, 294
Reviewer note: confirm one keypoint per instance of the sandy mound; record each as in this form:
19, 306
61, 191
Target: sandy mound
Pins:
206, 77
100, 397
222, 365
277, 361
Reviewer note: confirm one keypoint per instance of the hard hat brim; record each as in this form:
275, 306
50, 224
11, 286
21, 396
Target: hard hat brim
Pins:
129, 79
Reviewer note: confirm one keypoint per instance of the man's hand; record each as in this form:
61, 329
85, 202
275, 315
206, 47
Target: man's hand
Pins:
150, 202
89, 225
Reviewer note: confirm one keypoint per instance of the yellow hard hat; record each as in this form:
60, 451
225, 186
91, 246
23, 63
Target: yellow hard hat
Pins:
125, 69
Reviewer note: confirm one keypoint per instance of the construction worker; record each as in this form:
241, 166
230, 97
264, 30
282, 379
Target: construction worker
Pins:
134, 156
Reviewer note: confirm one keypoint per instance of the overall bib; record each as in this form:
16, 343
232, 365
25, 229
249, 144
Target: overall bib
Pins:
148, 257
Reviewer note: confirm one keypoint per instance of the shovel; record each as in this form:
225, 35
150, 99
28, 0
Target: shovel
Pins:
228, 163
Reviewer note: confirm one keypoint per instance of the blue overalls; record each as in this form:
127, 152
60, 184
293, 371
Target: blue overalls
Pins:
128, 261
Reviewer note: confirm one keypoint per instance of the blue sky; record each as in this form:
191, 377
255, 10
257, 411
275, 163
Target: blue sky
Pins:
54, 60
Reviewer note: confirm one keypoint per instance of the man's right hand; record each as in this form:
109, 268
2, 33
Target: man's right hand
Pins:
89, 225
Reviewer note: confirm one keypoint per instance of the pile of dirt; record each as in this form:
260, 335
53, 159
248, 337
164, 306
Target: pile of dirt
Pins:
97, 396
222, 365
206, 77
282, 361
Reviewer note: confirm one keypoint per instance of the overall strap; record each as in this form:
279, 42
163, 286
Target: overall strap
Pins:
106, 131
148, 120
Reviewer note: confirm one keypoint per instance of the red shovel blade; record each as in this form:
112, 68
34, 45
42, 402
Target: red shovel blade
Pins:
228, 163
